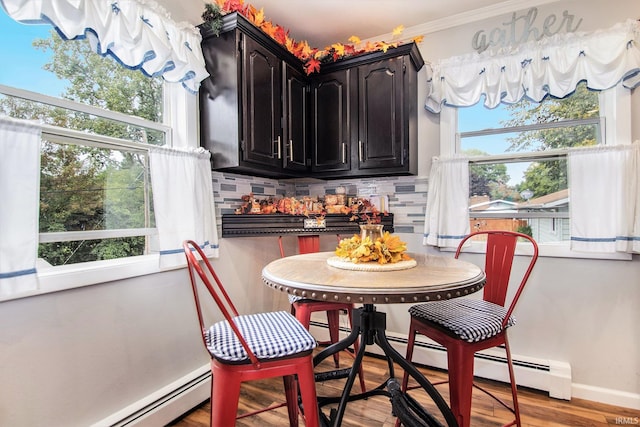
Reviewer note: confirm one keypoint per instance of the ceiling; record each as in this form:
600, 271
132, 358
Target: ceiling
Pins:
323, 22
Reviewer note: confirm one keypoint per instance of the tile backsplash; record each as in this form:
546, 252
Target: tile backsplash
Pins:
407, 195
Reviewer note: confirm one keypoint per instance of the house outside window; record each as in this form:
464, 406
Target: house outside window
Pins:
100, 118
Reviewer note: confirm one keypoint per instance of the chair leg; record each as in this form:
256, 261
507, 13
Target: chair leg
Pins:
302, 313
514, 385
460, 367
333, 319
411, 340
307, 386
291, 392
225, 394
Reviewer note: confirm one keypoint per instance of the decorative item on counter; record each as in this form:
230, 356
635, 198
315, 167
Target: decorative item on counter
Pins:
360, 209
383, 250
341, 196
364, 211
371, 232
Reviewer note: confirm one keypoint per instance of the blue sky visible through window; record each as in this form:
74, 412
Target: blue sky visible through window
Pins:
22, 63
478, 117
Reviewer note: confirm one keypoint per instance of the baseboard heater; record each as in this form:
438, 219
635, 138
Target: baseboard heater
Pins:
550, 376
166, 404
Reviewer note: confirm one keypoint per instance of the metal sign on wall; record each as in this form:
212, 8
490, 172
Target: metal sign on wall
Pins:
524, 28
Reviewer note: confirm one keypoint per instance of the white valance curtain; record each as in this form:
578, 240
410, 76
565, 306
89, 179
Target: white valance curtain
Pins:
139, 34
551, 66
183, 202
446, 219
19, 200
605, 206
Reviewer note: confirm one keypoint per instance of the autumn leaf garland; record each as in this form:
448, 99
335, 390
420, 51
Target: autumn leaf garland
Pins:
312, 58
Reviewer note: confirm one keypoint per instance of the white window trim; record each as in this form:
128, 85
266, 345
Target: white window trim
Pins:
615, 104
181, 129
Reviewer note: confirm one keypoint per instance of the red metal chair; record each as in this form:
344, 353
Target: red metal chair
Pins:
252, 347
465, 325
302, 308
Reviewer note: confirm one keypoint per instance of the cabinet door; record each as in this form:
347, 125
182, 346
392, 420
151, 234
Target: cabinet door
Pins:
381, 116
262, 138
330, 122
295, 97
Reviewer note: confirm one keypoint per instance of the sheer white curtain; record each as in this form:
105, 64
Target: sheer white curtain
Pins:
19, 199
139, 34
551, 66
446, 219
604, 187
183, 202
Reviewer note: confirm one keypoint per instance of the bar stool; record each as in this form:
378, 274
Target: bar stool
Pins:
303, 308
465, 326
251, 347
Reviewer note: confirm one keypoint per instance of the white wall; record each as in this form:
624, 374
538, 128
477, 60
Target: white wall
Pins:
76, 357
584, 312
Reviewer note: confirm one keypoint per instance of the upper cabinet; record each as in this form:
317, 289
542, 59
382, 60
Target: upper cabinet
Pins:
261, 115
364, 115
295, 118
330, 130
253, 107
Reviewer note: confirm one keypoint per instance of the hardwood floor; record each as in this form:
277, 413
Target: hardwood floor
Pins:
537, 408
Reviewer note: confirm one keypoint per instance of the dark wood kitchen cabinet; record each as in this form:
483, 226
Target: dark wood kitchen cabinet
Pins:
253, 107
364, 115
330, 128
295, 118
261, 115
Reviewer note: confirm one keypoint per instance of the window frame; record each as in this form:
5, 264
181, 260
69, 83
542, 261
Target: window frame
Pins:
181, 131
615, 128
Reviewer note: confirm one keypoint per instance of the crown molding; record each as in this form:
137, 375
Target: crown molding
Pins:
467, 18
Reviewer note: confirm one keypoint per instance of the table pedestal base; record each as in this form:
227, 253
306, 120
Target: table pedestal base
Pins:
370, 325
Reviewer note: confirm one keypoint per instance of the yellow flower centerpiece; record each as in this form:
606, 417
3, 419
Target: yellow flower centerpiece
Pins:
383, 250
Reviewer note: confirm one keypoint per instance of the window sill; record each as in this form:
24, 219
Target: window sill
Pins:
62, 278
551, 250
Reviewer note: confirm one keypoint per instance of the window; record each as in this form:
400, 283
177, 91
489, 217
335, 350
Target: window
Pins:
518, 166
95, 194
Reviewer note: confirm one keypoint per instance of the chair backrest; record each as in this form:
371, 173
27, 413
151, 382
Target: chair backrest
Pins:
300, 250
500, 251
219, 294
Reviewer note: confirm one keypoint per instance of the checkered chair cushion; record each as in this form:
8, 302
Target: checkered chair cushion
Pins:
269, 335
471, 320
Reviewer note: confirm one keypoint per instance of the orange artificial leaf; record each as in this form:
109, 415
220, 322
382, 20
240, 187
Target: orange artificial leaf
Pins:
349, 50
268, 28
258, 16
290, 45
306, 50
296, 49
281, 35
354, 39
234, 5
418, 39
369, 47
320, 54
397, 30
312, 65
